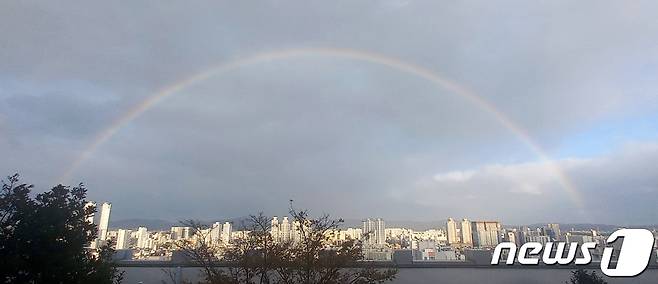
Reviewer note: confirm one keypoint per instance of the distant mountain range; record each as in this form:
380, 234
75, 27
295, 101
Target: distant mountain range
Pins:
598, 227
158, 224
416, 225
151, 224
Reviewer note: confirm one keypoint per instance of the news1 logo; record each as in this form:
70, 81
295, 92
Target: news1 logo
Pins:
634, 254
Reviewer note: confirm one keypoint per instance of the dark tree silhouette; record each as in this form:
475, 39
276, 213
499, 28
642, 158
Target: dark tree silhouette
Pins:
43, 239
252, 256
581, 276
257, 258
314, 262
202, 252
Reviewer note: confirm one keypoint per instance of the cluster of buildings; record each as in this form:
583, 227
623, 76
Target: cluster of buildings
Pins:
488, 234
103, 222
459, 241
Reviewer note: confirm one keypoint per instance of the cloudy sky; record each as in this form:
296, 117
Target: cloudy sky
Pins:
350, 137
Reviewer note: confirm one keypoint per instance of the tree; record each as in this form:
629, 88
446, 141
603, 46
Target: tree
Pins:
249, 257
43, 239
581, 276
256, 257
314, 261
202, 251
252, 256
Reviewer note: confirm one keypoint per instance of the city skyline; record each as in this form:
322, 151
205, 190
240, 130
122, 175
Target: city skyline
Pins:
452, 227
464, 242
402, 110
460, 241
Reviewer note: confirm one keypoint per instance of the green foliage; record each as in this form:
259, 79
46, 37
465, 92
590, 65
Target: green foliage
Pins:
581, 276
43, 239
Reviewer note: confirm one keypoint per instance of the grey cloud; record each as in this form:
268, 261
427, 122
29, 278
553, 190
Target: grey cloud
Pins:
617, 189
74, 111
315, 129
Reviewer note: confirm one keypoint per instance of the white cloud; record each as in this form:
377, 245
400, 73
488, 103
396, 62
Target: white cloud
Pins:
454, 176
519, 178
620, 188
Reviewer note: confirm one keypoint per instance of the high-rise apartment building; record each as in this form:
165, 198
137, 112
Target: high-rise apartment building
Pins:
143, 238
274, 229
181, 233
466, 232
226, 233
284, 229
280, 230
123, 239
375, 230
104, 221
451, 230
486, 233
216, 233
296, 231
459, 232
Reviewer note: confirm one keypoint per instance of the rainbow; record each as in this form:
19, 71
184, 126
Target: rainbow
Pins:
352, 54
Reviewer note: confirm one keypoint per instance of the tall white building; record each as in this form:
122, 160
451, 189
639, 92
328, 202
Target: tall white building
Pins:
216, 233
466, 232
180, 233
123, 239
143, 238
226, 233
274, 229
375, 230
451, 230
296, 231
280, 230
284, 229
104, 221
